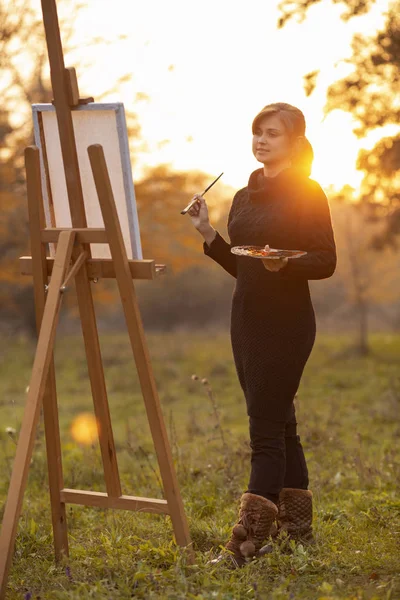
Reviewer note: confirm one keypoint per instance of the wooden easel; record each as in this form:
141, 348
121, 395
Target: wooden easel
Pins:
73, 261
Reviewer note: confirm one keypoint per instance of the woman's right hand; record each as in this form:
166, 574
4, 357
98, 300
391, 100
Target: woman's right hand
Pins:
199, 213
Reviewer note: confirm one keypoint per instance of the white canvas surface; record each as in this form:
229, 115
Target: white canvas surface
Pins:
93, 127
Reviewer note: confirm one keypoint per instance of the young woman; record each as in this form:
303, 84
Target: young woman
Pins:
272, 319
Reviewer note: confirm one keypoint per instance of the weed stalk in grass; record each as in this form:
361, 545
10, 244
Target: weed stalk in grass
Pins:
12, 434
228, 458
173, 436
152, 469
216, 413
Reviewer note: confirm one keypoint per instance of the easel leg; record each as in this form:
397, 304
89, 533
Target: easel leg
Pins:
139, 347
37, 385
50, 409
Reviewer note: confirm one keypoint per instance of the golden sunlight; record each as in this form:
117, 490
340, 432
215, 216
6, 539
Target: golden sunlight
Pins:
335, 152
203, 91
84, 428
195, 95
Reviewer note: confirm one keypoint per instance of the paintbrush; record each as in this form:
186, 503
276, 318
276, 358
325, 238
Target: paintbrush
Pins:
189, 206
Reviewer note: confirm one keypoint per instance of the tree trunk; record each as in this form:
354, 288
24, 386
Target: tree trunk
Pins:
362, 310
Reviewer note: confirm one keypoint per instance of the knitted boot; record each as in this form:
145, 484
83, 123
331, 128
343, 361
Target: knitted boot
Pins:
256, 515
295, 515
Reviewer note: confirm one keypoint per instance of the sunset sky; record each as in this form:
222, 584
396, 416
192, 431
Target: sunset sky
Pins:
208, 67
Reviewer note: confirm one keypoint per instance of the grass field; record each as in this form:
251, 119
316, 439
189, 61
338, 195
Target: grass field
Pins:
348, 413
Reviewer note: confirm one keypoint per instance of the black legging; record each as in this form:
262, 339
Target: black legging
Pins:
277, 458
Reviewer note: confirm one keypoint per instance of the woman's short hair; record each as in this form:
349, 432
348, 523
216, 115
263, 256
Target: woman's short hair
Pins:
295, 125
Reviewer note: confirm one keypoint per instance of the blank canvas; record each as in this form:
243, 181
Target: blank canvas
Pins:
103, 124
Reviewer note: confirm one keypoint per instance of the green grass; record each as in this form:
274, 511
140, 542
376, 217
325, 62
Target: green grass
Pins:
348, 415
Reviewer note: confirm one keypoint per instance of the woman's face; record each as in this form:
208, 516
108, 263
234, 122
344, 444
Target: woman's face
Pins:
271, 143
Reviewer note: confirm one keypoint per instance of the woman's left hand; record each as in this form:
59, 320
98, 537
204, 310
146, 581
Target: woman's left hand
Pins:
274, 264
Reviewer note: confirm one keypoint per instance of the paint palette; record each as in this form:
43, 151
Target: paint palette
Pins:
266, 252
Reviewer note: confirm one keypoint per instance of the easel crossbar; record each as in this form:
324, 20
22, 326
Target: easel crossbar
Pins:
102, 268
88, 235
102, 500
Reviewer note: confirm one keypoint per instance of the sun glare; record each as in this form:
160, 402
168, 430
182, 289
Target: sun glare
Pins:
84, 429
335, 152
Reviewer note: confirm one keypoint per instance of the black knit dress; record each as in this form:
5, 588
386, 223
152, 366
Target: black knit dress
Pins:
272, 319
